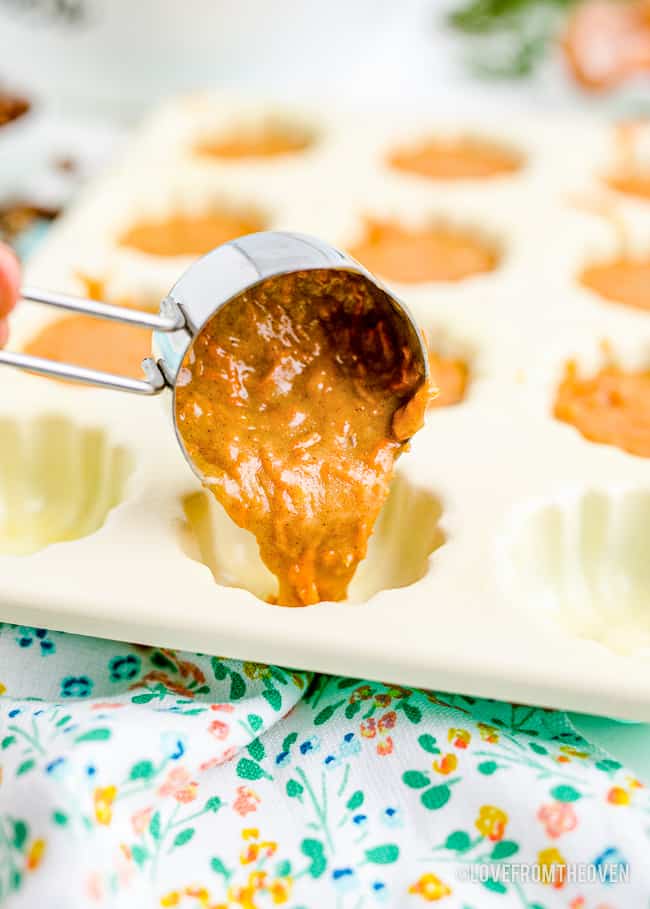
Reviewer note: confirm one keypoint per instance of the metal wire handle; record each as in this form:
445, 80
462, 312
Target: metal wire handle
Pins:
169, 319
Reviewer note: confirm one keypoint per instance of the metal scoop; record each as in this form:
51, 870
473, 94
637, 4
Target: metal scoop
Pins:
206, 286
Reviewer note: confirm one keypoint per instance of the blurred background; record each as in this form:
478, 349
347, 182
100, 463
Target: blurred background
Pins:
76, 74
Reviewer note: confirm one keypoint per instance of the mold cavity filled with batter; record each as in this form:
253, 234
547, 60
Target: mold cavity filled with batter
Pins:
96, 343
460, 158
269, 139
449, 378
191, 234
58, 482
294, 402
611, 406
630, 173
623, 279
432, 252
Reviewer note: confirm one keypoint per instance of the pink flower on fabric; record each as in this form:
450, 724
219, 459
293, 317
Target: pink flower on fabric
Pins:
368, 728
558, 818
140, 820
226, 708
247, 800
223, 758
179, 786
387, 721
219, 729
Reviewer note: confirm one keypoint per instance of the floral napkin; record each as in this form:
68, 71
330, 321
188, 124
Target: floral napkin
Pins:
140, 777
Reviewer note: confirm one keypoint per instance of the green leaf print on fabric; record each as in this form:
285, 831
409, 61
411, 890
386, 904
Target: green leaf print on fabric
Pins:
415, 779
436, 797
565, 794
383, 855
94, 735
458, 841
184, 836
313, 849
428, 743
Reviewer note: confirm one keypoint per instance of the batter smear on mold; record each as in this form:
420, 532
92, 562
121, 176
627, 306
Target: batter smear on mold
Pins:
294, 403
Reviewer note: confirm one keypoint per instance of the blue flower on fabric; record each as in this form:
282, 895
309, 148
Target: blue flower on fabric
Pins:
350, 745
344, 879
283, 759
310, 744
15, 712
611, 866
332, 761
173, 745
28, 636
91, 771
124, 668
359, 819
392, 817
56, 768
379, 891
76, 686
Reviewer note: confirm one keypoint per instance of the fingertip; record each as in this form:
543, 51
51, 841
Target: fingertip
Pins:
9, 280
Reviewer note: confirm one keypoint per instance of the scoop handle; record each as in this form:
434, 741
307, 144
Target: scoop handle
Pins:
169, 319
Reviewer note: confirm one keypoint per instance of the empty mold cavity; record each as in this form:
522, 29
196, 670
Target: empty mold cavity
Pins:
610, 406
434, 251
263, 139
456, 158
58, 482
406, 533
192, 233
586, 560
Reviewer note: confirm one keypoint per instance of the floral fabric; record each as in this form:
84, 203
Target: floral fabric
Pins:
135, 777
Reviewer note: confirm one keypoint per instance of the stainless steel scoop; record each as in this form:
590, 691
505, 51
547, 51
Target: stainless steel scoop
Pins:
207, 285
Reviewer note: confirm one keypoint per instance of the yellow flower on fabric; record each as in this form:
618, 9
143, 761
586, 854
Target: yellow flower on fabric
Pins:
569, 749
199, 893
172, 898
618, 796
35, 854
553, 867
280, 890
491, 822
488, 733
103, 798
459, 738
430, 888
2, 688
446, 764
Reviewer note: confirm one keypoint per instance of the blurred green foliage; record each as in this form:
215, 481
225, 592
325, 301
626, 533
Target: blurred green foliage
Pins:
510, 36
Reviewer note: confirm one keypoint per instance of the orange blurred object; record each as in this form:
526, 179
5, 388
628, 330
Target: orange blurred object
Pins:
434, 252
450, 376
464, 158
607, 42
611, 407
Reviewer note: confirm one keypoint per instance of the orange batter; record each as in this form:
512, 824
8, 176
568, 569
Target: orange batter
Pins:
465, 158
611, 407
269, 140
630, 175
437, 252
294, 402
95, 343
450, 377
622, 280
190, 235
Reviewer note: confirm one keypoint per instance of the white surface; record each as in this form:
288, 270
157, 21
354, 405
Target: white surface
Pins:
466, 626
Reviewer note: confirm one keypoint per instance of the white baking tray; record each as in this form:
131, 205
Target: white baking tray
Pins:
513, 559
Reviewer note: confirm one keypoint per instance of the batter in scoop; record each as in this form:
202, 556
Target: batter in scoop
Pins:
294, 403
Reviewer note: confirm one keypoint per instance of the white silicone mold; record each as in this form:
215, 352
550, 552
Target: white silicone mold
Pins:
512, 558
